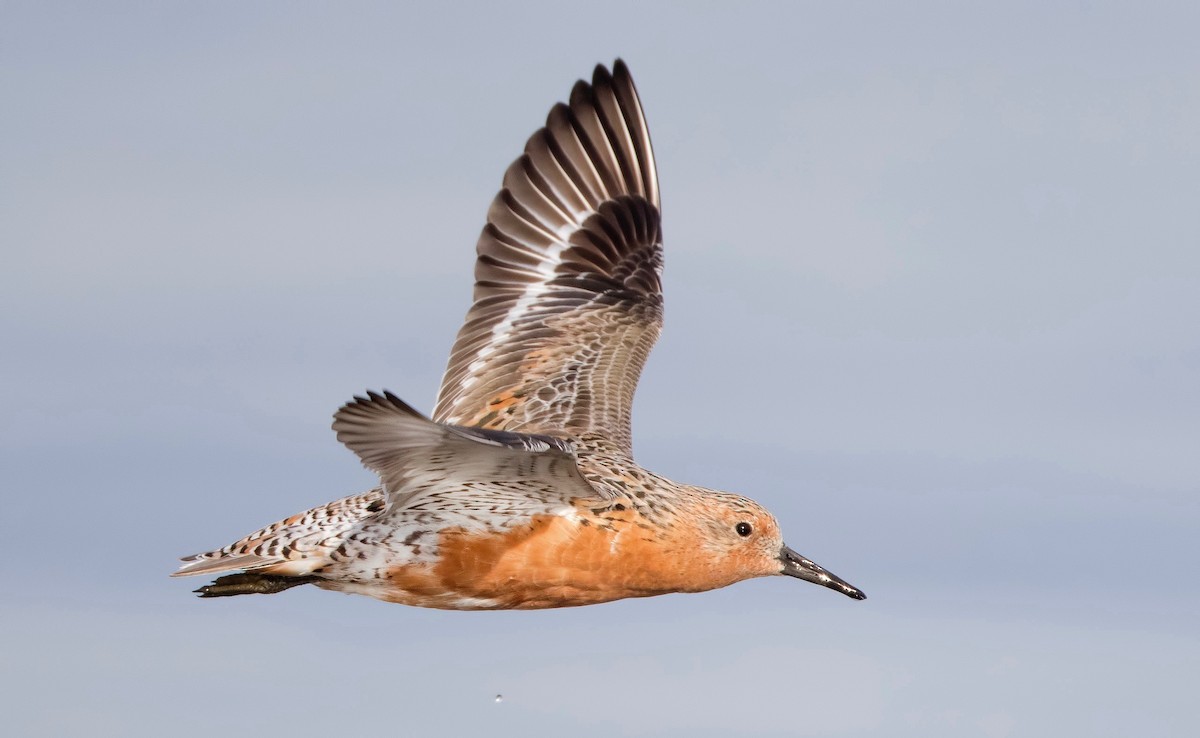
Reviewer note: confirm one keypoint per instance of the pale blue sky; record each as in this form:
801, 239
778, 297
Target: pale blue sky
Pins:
933, 283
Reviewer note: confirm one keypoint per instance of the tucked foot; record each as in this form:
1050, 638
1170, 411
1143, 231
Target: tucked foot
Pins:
251, 583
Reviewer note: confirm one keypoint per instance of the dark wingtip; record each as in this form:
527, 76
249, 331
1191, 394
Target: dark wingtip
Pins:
580, 93
375, 399
601, 76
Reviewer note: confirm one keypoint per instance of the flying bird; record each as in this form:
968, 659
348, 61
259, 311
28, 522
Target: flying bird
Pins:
521, 491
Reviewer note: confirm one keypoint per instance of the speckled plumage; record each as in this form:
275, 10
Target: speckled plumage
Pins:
521, 491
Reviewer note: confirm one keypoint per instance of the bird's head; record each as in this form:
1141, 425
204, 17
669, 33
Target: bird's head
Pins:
739, 539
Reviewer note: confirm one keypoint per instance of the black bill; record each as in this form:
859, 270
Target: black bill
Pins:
795, 565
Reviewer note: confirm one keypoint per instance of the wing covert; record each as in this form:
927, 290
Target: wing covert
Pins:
426, 464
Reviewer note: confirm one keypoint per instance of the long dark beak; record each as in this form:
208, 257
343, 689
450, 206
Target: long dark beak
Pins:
795, 565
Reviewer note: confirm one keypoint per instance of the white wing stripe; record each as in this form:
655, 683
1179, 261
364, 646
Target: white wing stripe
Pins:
504, 328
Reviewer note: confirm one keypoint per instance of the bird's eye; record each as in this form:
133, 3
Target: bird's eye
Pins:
743, 529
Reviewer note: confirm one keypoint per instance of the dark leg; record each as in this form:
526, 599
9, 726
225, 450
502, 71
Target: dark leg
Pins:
251, 583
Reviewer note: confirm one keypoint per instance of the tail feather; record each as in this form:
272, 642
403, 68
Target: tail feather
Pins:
212, 563
293, 548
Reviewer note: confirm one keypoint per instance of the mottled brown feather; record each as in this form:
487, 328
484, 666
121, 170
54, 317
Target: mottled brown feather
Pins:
568, 300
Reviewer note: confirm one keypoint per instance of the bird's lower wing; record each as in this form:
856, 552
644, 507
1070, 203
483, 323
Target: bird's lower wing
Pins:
430, 466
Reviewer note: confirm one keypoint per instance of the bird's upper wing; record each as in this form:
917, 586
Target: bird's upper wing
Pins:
568, 301
427, 465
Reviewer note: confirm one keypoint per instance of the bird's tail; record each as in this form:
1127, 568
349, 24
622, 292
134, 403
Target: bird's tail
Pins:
285, 554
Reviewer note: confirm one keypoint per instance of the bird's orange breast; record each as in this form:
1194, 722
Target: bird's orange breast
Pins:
550, 561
